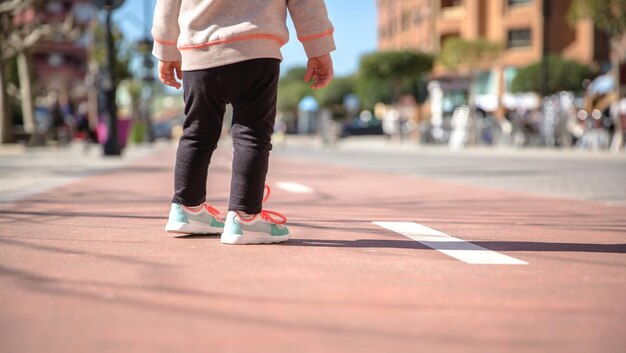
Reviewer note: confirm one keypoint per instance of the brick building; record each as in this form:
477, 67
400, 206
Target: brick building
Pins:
61, 63
517, 24
406, 24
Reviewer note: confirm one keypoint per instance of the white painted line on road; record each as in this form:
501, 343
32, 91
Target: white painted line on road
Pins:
451, 246
296, 188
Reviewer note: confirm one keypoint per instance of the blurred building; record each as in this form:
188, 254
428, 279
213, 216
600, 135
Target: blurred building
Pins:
518, 24
61, 60
406, 24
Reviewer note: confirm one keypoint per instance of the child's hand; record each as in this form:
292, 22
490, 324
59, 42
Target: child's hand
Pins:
320, 69
167, 69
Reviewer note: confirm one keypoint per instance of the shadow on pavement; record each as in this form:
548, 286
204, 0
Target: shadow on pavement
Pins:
66, 251
409, 244
491, 245
197, 236
130, 296
77, 214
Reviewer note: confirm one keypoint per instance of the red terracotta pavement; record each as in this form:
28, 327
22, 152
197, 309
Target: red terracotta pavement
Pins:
88, 268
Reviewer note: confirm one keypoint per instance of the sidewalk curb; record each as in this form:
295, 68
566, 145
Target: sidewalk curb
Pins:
381, 144
25, 172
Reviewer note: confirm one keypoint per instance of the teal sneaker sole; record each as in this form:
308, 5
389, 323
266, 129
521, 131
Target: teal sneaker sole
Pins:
239, 239
191, 228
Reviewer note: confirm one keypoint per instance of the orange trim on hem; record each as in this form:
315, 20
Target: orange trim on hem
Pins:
234, 39
162, 41
316, 36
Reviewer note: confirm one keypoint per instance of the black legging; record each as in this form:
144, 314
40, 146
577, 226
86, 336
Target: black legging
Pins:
251, 88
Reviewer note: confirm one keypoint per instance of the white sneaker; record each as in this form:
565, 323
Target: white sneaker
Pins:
185, 220
260, 228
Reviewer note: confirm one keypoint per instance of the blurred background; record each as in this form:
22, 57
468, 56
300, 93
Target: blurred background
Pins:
456, 73
500, 122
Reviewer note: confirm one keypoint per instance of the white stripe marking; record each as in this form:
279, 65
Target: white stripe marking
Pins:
294, 187
451, 246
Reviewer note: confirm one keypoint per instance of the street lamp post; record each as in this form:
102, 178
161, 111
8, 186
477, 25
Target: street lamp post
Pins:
148, 79
111, 145
148, 65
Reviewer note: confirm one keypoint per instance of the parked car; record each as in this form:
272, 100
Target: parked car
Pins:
364, 124
162, 129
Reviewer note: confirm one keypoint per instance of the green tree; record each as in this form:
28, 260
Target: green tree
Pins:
385, 76
470, 57
17, 39
564, 75
609, 16
333, 94
291, 90
372, 91
124, 51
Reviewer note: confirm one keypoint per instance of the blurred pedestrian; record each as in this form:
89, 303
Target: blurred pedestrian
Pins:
82, 121
228, 51
62, 114
84, 130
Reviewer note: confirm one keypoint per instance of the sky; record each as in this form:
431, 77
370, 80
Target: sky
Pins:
354, 21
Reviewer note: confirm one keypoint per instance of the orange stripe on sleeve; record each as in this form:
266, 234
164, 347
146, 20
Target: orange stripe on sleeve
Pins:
316, 36
160, 41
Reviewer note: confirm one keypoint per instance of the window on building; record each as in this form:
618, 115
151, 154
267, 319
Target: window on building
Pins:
519, 2
56, 59
519, 38
54, 8
509, 76
418, 18
406, 20
485, 83
451, 3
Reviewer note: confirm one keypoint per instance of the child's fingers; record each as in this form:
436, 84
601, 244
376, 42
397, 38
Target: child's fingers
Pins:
165, 74
174, 84
329, 78
164, 69
179, 72
321, 80
168, 71
166, 79
309, 74
170, 81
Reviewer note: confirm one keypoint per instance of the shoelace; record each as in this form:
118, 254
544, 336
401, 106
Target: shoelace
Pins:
267, 215
213, 212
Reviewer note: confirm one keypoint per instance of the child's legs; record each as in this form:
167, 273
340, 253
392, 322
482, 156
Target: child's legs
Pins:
254, 112
204, 113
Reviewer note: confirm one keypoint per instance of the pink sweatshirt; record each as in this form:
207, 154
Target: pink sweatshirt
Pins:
210, 33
